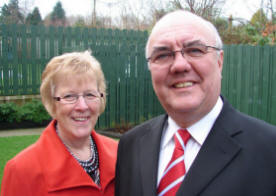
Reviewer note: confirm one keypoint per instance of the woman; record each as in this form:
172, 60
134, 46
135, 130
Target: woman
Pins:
69, 158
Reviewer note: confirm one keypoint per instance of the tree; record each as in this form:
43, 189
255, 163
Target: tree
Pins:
11, 14
26, 6
58, 17
78, 21
34, 18
259, 18
208, 9
140, 15
271, 7
257, 27
158, 13
129, 21
222, 24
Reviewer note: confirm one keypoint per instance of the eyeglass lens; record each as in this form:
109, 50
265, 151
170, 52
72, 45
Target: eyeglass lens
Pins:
166, 56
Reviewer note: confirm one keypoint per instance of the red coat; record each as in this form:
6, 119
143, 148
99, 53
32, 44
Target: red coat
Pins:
47, 168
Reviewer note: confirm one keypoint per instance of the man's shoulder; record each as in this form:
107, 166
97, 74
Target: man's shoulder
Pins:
231, 117
257, 123
258, 127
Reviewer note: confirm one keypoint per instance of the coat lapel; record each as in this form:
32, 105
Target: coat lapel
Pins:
216, 153
107, 149
60, 166
149, 146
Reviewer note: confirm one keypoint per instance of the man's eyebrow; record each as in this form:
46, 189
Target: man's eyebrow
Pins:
160, 48
195, 42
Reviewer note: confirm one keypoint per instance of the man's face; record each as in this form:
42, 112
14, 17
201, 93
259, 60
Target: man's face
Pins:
187, 88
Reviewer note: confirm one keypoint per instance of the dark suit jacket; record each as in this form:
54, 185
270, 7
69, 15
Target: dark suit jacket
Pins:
238, 158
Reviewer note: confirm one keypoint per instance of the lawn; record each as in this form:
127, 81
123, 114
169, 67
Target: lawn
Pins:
10, 146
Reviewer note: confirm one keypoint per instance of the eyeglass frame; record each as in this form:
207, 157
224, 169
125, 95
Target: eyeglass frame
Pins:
182, 51
76, 97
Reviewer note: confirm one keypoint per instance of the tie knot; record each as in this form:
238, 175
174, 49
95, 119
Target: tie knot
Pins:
181, 138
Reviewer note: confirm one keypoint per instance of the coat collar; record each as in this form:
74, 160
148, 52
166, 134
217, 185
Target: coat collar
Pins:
217, 152
62, 171
107, 158
149, 154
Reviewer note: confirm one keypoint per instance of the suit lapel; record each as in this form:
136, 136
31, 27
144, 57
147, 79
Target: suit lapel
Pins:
149, 154
216, 153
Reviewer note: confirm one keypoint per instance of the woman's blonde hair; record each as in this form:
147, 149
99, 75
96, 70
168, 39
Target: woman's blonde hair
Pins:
81, 64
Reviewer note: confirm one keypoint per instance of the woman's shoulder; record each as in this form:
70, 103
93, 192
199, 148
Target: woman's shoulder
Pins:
105, 142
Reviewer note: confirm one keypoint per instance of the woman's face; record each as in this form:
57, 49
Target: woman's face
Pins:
76, 120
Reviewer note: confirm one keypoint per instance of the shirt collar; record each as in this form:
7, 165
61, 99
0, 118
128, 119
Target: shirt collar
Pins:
199, 131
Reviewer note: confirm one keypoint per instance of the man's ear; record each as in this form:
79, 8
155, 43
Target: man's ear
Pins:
220, 60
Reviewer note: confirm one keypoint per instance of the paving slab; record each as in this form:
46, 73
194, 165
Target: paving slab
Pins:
20, 132
38, 131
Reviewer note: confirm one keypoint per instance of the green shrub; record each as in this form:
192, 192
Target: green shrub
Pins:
33, 111
9, 112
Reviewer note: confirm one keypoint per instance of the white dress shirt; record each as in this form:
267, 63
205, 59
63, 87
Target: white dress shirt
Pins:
198, 131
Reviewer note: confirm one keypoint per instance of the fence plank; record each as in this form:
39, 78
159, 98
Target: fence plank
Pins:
5, 59
265, 78
272, 113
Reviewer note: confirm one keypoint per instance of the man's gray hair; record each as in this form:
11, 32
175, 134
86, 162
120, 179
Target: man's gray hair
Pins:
187, 15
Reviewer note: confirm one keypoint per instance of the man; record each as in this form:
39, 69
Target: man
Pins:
224, 152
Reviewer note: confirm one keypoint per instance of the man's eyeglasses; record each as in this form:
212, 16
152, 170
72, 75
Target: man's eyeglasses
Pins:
163, 56
72, 98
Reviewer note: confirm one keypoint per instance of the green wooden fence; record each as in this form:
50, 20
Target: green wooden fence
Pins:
24, 52
247, 83
249, 76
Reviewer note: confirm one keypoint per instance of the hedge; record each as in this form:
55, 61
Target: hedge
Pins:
30, 114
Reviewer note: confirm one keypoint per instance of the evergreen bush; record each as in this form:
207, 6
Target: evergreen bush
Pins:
9, 112
29, 114
33, 111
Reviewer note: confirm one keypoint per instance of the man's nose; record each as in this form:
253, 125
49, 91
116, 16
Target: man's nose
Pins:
180, 63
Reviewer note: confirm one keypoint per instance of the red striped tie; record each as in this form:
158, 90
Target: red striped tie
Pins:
175, 170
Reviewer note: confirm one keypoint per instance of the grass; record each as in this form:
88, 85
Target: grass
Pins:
10, 146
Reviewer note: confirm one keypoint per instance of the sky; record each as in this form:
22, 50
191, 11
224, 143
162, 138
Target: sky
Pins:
238, 8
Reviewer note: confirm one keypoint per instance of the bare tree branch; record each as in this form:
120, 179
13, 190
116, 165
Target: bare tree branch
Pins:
206, 8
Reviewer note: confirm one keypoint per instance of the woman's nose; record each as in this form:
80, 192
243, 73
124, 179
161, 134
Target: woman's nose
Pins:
81, 103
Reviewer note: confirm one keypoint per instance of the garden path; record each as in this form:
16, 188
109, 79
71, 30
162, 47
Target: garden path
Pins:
38, 131
19, 132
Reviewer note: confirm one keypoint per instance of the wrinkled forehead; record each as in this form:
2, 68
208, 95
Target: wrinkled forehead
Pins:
177, 30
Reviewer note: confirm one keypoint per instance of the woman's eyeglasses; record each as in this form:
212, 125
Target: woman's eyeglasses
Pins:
72, 98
